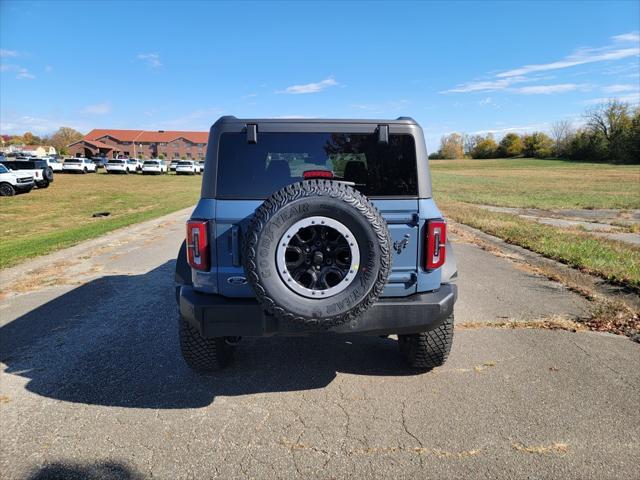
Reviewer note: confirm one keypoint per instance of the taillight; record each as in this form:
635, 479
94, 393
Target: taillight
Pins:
198, 244
435, 244
309, 174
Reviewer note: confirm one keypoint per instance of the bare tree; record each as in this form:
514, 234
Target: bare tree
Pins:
609, 119
561, 132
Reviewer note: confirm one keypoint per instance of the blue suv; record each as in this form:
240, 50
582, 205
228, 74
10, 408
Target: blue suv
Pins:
311, 227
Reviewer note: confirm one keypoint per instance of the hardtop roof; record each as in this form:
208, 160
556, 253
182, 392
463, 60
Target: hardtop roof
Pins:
396, 121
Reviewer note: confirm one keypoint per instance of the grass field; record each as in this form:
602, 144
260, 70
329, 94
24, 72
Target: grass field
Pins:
537, 183
49, 219
545, 184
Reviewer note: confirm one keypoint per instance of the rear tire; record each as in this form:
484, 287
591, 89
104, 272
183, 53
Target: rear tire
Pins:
203, 354
427, 350
7, 190
84, 171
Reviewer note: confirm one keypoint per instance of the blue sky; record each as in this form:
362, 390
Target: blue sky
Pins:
454, 66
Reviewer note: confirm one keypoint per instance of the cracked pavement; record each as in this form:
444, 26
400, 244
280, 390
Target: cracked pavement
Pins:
92, 384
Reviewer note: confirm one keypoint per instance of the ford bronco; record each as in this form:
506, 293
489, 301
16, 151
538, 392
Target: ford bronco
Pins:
315, 226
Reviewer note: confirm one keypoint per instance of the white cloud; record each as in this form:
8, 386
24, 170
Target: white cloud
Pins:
97, 109
620, 88
152, 59
21, 72
505, 80
486, 85
24, 74
310, 87
628, 37
8, 53
579, 58
522, 128
546, 89
13, 123
48, 68
248, 95
633, 98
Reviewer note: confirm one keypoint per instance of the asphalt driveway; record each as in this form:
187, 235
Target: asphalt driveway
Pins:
92, 385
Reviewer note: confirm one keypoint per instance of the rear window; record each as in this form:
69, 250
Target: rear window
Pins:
116, 162
188, 164
22, 165
257, 170
150, 163
72, 161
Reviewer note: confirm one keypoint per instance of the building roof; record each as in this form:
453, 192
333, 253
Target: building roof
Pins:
164, 136
94, 143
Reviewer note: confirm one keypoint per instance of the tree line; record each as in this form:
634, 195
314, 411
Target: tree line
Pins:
610, 134
60, 139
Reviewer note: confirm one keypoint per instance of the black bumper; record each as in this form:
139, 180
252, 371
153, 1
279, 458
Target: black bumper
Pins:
217, 316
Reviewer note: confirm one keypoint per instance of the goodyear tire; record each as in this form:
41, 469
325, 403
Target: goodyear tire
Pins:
317, 254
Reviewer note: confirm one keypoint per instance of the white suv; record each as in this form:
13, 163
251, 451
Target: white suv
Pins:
188, 167
55, 165
154, 166
79, 164
121, 165
14, 182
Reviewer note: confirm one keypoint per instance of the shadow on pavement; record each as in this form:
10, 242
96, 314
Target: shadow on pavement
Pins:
113, 342
77, 471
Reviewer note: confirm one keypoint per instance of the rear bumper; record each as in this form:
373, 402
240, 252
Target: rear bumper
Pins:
217, 316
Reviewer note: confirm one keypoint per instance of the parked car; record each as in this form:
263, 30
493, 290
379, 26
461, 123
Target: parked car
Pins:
188, 167
137, 163
100, 162
119, 165
201, 166
173, 165
41, 172
53, 162
348, 240
14, 182
79, 165
154, 167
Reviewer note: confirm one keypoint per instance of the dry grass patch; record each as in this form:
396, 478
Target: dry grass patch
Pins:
553, 323
554, 448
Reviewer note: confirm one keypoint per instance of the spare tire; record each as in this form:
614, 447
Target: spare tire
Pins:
47, 174
317, 254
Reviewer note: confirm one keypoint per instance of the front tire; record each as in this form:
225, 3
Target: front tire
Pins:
7, 190
84, 171
203, 355
428, 350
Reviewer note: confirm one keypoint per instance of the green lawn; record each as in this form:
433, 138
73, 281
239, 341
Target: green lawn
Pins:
545, 184
536, 183
49, 219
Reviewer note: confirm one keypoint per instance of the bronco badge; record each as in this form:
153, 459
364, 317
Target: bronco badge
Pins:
400, 245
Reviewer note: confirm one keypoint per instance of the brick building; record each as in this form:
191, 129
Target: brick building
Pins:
168, 144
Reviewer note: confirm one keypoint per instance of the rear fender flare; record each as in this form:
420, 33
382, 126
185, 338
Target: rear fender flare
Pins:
450, 267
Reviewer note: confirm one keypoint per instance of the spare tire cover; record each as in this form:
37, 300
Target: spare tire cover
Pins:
317, 253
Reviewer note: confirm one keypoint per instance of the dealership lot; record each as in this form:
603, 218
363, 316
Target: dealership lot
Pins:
92, 381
